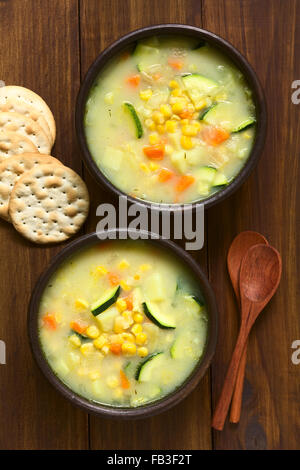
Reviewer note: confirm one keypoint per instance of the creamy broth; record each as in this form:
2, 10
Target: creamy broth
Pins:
122, 323
170, 121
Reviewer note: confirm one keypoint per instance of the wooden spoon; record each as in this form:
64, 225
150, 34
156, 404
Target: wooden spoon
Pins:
260, 274
238, 248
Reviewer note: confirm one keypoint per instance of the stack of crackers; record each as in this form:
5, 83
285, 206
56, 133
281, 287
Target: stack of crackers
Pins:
46, 201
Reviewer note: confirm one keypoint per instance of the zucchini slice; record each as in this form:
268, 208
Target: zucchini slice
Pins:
203, 113
154, 314
136, 120
220, 180
207, 174
146, 56
245, 124
145, 369
229, 116
106, 301
198, 87
182, 346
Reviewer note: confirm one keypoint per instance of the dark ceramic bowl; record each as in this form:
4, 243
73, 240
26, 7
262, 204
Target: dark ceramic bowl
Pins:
180, 30
121, 412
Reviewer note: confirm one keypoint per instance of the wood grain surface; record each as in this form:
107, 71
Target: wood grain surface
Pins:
48, 45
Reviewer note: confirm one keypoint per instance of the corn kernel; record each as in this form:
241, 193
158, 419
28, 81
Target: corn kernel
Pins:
171, 126
128, 337
105, 350
201, 104
178, 107
144, 167
112, 381
75, 341
86, 349
116, 338
119, 324
127, 315
145, 267
136, 329
118, 393
158, 117
153, 139
186, 142
124, 285
92, 332
166, 110
184, 122
142, 352
154, 166
129, 348
189, 130
81, 304
138, 318
94, 375
161, 128
101, 270
124, 264
169, 150
150, 124
141, 338
121, 305
173, 84
196, 124
176, 92
109, 97
100, 342
146, 94
136, 277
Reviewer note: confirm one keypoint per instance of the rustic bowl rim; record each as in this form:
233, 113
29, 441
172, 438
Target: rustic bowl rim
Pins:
143, 411
168, 29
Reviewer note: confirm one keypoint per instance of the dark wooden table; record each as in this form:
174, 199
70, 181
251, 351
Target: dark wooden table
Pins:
48, 45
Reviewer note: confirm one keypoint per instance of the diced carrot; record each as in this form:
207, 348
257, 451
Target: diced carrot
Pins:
79, 325
133, 80
184, 182
50, 321
155, 152
186, 114
129, 302
116, 348
124, 381
175, 63
214, 135
113, 278
165, 175
156, 76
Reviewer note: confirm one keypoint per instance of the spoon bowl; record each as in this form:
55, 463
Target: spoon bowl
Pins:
260, 273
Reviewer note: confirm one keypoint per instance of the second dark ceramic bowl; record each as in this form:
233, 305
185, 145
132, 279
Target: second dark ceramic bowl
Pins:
178, 30
149, 409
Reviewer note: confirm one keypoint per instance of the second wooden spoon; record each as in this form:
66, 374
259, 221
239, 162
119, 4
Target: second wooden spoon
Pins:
260, 274
238, 248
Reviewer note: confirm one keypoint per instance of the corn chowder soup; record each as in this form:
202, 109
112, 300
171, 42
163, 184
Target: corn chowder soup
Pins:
171, 121
122, 323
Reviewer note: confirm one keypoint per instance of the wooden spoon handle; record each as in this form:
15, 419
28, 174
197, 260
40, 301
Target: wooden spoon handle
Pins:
236, 404
228, 387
